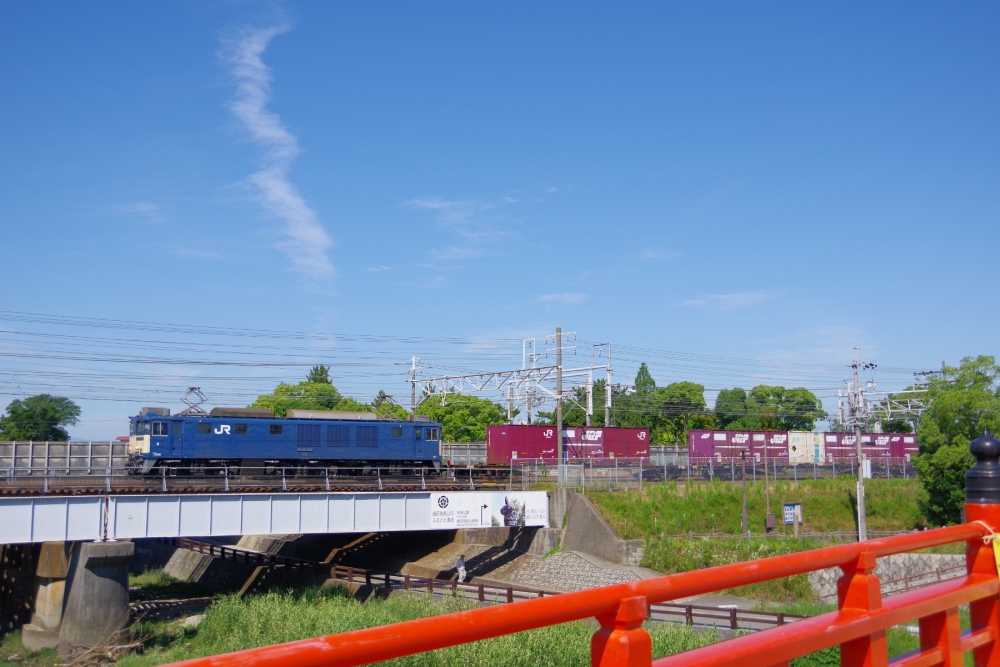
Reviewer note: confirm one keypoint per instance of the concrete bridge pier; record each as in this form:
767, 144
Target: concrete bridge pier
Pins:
51, 569
81, 596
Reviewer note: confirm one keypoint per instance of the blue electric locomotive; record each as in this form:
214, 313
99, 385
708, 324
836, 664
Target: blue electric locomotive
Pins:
249, 437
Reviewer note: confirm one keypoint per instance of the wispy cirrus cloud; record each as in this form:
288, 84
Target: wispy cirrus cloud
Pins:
306, 241
567, 298
431, 282
659, 255
477, 226
143, 211
727, 301
189, 253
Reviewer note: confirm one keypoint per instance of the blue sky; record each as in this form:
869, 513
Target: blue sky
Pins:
733, 192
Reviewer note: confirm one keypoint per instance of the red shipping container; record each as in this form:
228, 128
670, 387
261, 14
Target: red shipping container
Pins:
734, 444
771, 444
844, 445
902, 445
512, 442
701, 443
584, 442
627, 442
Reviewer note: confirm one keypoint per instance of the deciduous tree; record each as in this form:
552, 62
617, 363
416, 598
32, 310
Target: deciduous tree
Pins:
780, 409
961, 404
40, 417
463, 418
735, 411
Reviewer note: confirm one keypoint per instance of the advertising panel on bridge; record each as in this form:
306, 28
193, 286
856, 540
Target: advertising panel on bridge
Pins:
489, 510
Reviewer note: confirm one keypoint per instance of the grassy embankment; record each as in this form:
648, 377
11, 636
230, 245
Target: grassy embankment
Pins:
233, 623
663, 514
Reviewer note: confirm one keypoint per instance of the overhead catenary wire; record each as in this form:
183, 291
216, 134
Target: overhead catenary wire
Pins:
125, 361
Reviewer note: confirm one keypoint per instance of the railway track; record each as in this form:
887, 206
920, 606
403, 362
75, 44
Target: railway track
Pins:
121, 482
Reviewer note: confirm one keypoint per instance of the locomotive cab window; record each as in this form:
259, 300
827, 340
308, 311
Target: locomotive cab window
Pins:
416, 433
142, 428
204, 427
160, 428
274, 429
240, 429
396, 431
177, 429
432, 434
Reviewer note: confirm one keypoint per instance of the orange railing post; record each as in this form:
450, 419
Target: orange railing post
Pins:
982, 503
943, 631
622, 641
859, 590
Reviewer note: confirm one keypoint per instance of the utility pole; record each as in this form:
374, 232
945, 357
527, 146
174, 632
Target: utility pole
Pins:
607, 391
767, 493
856, 416
510, 405
413, 385
590, 394
559, 428
743, 467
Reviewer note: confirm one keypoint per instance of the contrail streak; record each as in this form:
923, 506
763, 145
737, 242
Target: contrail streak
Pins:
306, 240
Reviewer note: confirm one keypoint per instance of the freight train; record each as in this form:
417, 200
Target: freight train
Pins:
254, 438
507, 443
799, 446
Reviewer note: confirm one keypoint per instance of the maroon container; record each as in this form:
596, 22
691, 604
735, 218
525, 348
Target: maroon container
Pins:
843, 446
777, 445
733, 444
876, 445
505, 443
902, 445
700, 444
634, 442
509, 442
584, 442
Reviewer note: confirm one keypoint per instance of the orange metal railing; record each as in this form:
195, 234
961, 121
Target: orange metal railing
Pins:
858, 626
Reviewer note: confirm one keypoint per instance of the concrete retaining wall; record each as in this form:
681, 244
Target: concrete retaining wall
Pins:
535, 541
919, 568
587, 531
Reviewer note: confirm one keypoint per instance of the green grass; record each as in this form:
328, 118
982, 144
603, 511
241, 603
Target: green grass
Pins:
233, 623
661, 514
12, 653
671, 555
674, 508
157, 584
898, 639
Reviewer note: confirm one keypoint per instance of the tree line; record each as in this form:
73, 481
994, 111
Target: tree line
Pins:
962, 401
671, 411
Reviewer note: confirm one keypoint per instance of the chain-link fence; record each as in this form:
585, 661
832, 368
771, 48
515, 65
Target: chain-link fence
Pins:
623, 473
